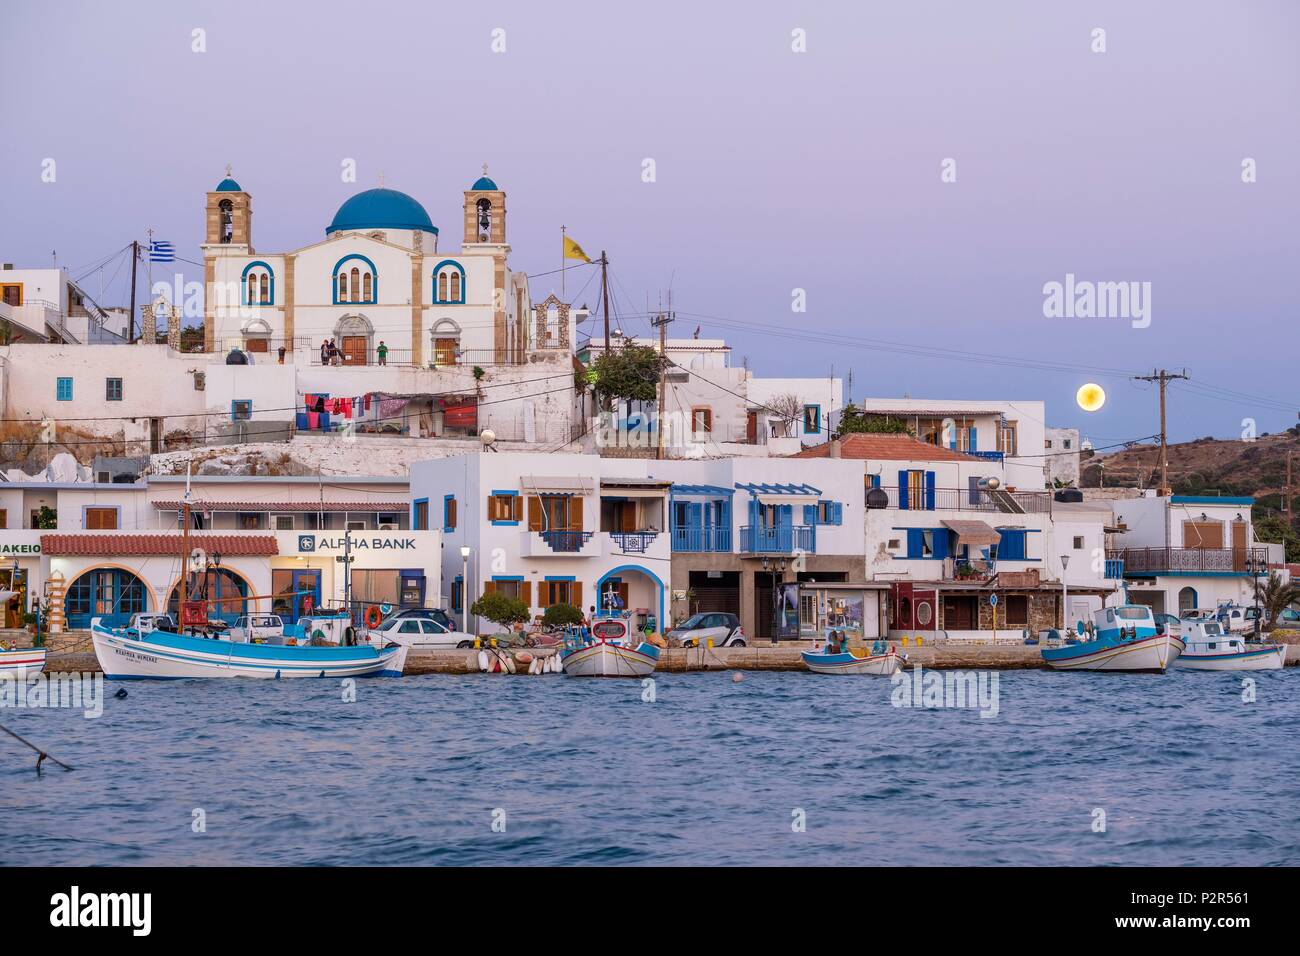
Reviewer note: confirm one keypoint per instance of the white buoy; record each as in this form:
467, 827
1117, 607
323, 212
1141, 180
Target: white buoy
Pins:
737, 677
483, 660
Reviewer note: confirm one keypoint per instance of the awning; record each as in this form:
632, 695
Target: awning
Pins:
977, 534
287, 506
556, 484
633, 488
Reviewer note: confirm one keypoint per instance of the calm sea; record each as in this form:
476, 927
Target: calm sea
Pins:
418, 771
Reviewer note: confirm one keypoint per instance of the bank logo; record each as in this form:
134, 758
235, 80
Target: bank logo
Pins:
306, 542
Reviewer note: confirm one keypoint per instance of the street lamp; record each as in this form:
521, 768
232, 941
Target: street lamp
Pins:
464, 585
777, 570
1065, 594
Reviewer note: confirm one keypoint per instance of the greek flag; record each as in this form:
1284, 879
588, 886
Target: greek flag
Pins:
161, 251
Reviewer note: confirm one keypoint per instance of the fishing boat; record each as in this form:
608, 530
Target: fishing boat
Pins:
1125, 638
836, 658
1210, 649
27, 660
127, 653
607, 650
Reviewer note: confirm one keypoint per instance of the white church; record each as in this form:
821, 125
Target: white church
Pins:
377, 279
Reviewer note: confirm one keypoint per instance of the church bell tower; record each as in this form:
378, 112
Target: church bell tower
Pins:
485, 213
230, 215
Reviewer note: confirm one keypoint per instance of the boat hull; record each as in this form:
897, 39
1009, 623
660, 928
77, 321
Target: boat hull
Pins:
29, 660
1154, 653
604, 659
1269, 658
879, 665
162, 656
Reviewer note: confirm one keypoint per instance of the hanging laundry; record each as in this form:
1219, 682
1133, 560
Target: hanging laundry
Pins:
313, 420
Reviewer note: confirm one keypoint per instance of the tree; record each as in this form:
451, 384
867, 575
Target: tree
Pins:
561, 615
786, 409
853, 420
631, 372
500, 609
1274, 530
1275, 597
47, 518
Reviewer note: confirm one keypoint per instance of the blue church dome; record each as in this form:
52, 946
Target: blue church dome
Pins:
381, 209
483, 183
228, 185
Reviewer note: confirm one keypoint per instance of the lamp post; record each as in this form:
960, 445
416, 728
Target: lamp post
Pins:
1065, 594
464, 585
777, 570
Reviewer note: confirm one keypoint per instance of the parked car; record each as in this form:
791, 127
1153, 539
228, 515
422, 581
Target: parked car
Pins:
257, 629
723, 629
432, 613
1289, 617
152, 621
418, 632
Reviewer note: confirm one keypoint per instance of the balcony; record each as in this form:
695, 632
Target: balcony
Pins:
1222, 561
1114, 568
760, 539
693, 539
965, 499
560, 544
633, 542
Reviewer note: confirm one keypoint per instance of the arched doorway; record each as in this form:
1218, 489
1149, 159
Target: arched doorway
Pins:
222, 586
112, 594
630, 587
1186, 600
354, 336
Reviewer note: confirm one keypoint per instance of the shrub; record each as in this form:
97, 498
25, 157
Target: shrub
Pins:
561, 615
500, 609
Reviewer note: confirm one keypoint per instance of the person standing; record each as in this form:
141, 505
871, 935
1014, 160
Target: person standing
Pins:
281, 354
383, 353
325, 352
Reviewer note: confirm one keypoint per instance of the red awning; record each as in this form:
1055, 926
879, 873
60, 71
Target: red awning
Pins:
119, 545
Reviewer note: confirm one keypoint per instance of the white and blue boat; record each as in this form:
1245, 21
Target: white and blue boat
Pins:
607, 650
881, 661
128, 653
30, 659
1210, 649
1125, 638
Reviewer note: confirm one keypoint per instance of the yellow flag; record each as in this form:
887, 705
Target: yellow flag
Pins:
574, 251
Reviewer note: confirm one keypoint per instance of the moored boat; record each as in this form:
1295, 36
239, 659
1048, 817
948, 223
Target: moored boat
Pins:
836, 658
1210, 649
127, 653
607, 650
27, 660
1125, 639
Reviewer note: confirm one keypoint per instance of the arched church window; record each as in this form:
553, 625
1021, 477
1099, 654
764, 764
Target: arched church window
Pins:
356, 284
356, 280
365, 285
455, 286
343, 286
442, 286
484, 220
227, 220
252, 287
266, 289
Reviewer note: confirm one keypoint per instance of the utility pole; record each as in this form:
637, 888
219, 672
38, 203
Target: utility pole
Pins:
1163, 377
1286, 490
604, 293
661, 322
130, 317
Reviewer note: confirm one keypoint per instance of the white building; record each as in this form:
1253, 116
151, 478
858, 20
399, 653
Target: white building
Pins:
1061, 457
45, 305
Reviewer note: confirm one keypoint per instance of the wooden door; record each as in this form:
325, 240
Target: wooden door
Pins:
751, 428
257, 345
1239, 546
354, 350
13, 294
958, 614
444, 351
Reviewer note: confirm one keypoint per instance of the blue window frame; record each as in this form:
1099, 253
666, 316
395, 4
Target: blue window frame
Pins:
261, 289
927, 543
420, 514
241, 410
360, 284
449, 513
108, 593
444, 289
812, 419
113, 390
1011, 546
63, 389
504, 503
457, 594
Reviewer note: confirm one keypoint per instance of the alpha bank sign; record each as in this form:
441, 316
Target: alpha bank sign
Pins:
334, 544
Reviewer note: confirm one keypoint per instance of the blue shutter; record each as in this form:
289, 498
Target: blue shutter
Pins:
902, 490
809, 514
784, 516
837, 512
1011, 546
974, 445
929, 491
875, 480
941, 537
974, 484
914, 542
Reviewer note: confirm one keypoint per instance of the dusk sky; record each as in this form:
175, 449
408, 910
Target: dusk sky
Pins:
775, 170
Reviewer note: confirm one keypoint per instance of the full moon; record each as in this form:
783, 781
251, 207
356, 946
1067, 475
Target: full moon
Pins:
1090, 397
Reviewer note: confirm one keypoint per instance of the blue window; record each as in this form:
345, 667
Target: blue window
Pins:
927, 543
449, 282
241, 410
355, 280
63, 390
258, 285
1011, 547
449, 513
812, 419
420, 514
113, 389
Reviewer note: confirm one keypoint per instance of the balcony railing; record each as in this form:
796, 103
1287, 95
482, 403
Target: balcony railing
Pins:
633, 542
1191, 560
979, 499
702, 539
782, 539
566, 542
429, 358
1114, 568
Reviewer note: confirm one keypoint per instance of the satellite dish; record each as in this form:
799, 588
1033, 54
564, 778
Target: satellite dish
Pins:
487, 436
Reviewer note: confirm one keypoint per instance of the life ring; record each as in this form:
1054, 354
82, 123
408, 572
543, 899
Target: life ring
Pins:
373, 616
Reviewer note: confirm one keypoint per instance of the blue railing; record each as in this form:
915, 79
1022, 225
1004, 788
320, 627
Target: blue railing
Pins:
986, 455
716, 538
783, 539
633, 542
1114, 568
566, 542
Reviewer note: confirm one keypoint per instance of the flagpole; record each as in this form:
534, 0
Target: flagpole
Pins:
562, 266
148, 278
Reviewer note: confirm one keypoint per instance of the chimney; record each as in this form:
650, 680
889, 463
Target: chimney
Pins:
174, 329
837, 450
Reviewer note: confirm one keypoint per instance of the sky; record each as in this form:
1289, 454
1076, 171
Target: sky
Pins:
920, 171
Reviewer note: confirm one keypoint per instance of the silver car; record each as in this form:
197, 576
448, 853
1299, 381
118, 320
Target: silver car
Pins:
722, 628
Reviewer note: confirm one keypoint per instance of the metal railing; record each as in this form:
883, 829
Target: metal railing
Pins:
429, 358
1192, 560
566, 542
1114, 568
633, 542
781, 539
966, 499
700, 539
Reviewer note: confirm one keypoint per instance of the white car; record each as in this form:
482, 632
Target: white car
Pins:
256, 629
721, 628
418, 632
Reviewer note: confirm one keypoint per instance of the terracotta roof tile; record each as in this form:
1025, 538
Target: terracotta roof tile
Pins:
884, 447
101, 545
384, 506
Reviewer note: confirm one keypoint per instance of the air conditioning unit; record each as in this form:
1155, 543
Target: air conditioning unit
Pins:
388, 527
